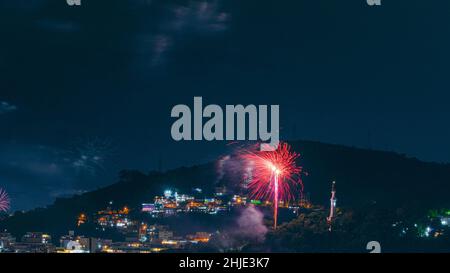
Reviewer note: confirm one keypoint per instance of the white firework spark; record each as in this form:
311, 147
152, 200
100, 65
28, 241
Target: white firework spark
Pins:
89, 156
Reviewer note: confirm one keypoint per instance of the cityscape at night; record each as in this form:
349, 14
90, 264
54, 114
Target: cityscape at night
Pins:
249, 130
163, 222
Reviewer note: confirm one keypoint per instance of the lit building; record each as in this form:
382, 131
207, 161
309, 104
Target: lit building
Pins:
36, 238
34, 242
165, 235
180, 198
82, 218
221, 191
142, 235
146, 207
7, 241
65, 239
72, 247
158, 233
238, 200
89, 244
199, 237
115, 219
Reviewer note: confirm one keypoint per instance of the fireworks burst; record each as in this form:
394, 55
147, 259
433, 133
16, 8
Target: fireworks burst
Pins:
89, 156
4, 201
275, 176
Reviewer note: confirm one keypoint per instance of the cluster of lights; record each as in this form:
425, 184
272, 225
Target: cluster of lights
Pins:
172, 203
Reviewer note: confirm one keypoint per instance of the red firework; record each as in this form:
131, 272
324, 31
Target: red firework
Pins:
275, 176
4, 201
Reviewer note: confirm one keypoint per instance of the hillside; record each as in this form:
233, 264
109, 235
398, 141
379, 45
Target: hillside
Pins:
363, 177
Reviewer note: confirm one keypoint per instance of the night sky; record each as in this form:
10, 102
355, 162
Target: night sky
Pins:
87, 91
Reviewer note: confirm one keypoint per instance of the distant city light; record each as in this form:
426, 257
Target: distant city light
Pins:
427, 231
167, 193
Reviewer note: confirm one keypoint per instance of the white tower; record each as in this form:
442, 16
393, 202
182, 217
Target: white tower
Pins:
332, 203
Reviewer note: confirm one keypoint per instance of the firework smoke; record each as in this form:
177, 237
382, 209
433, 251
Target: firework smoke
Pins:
220, 167
251, 224
248, 229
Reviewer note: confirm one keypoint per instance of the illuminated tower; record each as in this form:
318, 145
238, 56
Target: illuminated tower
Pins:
332, 204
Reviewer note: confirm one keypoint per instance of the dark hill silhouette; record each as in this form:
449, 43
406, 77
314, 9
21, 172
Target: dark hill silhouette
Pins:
363, 177
366, 176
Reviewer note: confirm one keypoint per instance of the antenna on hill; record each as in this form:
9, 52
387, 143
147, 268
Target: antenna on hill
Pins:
332, 205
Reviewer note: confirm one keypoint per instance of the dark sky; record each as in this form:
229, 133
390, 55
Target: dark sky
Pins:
87, 91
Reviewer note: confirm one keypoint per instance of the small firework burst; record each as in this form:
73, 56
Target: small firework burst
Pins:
89, 156
4, 201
